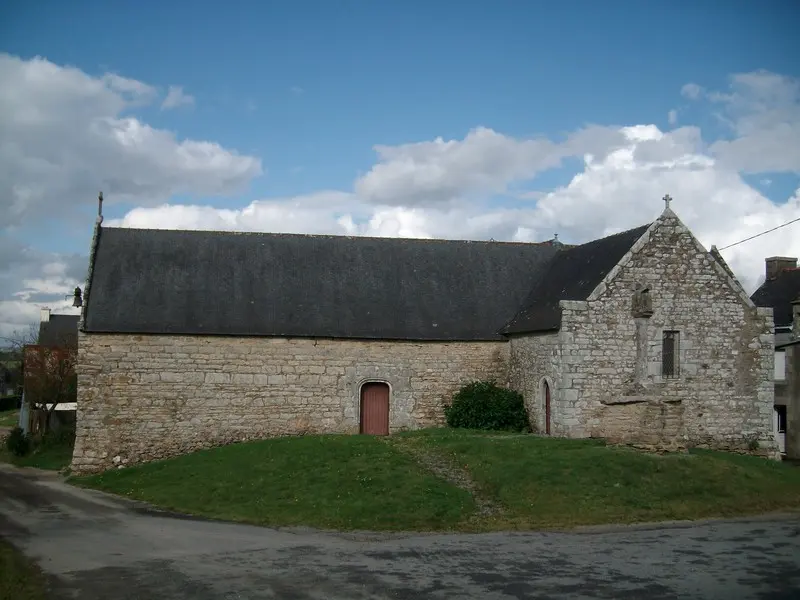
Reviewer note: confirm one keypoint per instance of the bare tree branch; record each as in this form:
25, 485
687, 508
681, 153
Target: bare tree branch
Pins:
19, 338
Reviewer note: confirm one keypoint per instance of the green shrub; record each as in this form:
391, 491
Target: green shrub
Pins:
485, 405
18, 443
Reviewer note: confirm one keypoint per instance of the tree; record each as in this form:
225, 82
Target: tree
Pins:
50, 378
12, 349
19, 338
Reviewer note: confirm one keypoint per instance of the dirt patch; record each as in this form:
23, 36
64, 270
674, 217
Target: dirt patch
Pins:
446, 469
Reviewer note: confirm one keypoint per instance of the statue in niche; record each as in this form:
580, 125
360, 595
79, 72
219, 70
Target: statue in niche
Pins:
641, 302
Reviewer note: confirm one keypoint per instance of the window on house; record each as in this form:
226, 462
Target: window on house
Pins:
781, 411
669, 354
780, 365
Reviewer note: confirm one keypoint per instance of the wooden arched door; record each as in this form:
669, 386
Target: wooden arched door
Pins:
375, 408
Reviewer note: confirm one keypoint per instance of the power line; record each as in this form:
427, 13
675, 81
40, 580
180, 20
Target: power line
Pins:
752, 237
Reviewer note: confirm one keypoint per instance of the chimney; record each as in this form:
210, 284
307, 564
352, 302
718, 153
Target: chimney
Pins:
45, 315
776, 264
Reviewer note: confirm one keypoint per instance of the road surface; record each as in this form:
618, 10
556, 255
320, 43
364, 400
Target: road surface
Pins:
94, 546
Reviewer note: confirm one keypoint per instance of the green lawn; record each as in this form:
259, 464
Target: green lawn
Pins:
552, 482
52, 458
359, 482
9, 418
53, 454
341, 482
20, 579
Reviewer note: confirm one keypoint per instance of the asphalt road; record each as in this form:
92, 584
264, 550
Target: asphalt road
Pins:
97, 547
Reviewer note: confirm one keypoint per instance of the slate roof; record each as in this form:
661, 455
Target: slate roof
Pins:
571, 275
201, 282
60, 330
778, 294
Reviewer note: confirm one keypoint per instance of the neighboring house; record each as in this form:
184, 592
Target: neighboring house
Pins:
780, 288
191, 339
58, 330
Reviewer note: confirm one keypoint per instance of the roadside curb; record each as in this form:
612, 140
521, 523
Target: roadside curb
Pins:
684, 524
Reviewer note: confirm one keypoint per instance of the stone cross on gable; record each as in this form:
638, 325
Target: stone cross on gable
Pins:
667, 200
100, 208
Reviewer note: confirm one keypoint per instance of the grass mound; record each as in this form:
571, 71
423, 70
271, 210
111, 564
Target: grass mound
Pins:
368, 483
340, 482
555, 482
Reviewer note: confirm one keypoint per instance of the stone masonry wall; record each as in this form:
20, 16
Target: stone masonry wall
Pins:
532, 359
724, 387
144, 397
652, 424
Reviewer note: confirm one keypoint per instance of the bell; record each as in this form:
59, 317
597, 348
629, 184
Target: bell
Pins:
77, 300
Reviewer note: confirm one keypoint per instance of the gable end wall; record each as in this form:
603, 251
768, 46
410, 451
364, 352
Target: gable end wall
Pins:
723, 396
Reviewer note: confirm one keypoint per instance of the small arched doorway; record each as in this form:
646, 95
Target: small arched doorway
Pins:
375, 408
546, 394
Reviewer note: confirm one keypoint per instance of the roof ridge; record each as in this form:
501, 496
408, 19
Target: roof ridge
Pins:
619, 233
326, 236
571, 274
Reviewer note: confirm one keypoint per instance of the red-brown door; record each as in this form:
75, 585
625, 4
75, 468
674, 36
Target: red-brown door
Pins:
546, 408
375, 408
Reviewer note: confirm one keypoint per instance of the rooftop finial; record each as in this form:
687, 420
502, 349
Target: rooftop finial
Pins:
100, 208
667, 200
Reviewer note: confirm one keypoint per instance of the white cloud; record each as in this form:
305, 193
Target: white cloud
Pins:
135, 92
483, 163
296, 90
672, 116
715, 202
691, 91
763, 111
314, 213
36, 280
176, 97
64, 135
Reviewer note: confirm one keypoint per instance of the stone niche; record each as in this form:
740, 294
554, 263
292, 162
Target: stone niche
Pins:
641, 302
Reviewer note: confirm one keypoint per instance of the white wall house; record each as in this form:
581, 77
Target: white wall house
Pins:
779, 419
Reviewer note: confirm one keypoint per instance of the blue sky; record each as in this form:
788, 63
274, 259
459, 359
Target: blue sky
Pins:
395, 72
310, 88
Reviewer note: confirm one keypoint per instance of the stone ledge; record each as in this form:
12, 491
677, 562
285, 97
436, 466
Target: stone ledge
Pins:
625, 400
640, 400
